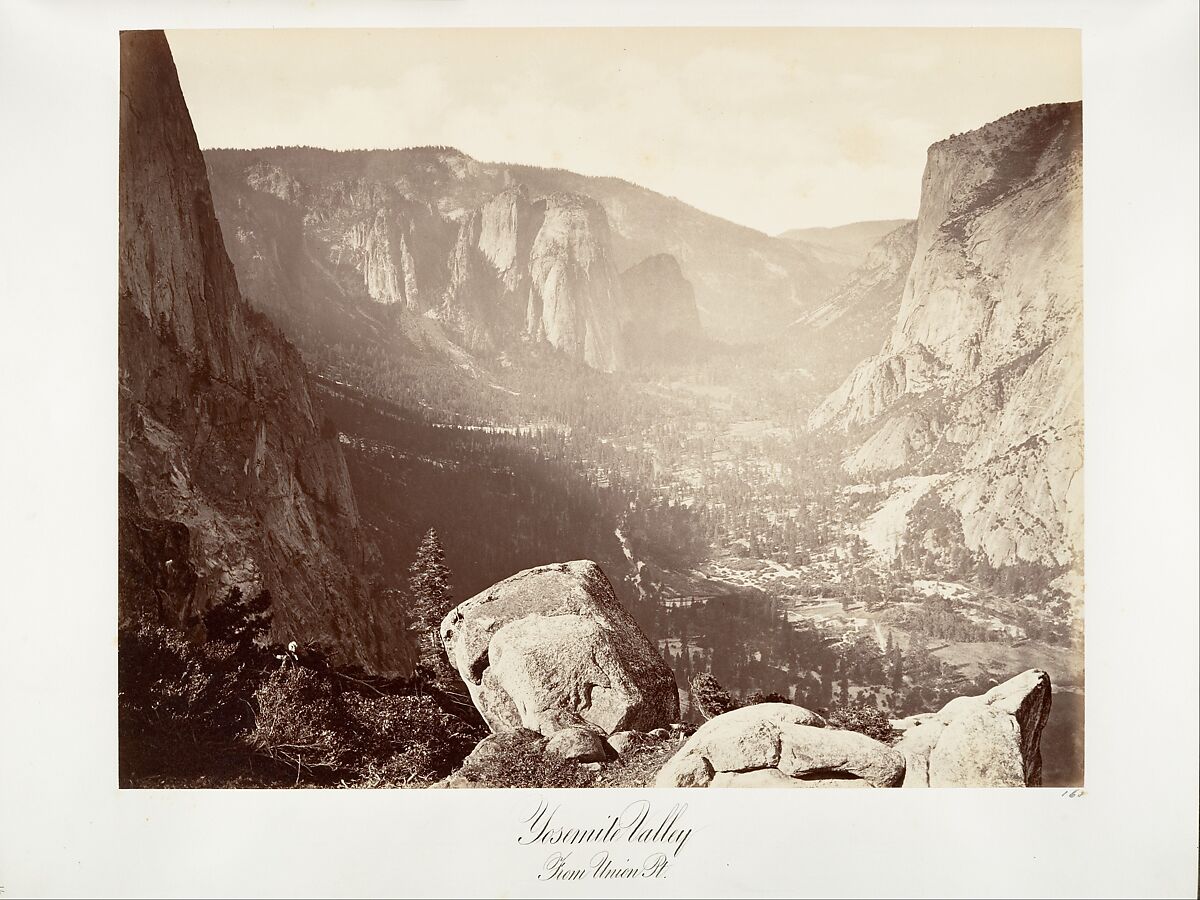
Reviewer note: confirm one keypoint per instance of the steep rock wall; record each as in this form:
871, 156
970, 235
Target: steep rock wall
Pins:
219, 432
986, 347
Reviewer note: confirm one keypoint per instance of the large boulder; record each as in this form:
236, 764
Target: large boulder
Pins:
551, 648
993, 740
775, 744
579, 744
624, 742
980, 748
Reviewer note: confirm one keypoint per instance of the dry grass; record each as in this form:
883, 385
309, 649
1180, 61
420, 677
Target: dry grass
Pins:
638, 767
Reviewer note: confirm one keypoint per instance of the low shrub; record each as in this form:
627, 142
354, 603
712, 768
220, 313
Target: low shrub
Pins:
185, 704
868, 720
181, 709
516, 760
165, 680
756, 697
311, 720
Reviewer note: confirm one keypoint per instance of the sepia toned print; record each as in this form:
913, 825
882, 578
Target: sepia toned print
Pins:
730, 436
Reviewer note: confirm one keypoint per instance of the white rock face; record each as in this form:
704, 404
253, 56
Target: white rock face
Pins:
509, 222
551, 648
540, 270
984, 362
387, 264
779, 744
993, 740
576, 302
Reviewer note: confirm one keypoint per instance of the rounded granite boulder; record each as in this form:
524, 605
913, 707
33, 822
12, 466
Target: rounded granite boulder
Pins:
992, 740
578, 744
552, 647
779, 745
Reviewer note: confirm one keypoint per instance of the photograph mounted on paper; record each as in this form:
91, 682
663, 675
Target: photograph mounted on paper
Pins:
675, 407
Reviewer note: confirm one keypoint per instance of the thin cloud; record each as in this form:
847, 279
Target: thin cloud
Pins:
772, 128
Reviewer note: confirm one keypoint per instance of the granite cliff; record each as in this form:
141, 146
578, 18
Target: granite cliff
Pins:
495, 256
980, 379
230, 475
663, 306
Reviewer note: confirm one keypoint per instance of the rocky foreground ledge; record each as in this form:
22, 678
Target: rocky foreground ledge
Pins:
558, 668
993, 740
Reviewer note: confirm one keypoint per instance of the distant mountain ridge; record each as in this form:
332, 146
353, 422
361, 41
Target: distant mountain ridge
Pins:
494, 253
856, 319
846, 245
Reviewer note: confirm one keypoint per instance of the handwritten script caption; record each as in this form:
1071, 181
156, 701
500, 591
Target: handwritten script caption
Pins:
638, 841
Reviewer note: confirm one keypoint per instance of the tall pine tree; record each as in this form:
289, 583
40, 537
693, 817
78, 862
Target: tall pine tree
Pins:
429, 587
897, 665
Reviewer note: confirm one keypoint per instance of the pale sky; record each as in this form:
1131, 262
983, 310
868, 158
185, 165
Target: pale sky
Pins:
772, 128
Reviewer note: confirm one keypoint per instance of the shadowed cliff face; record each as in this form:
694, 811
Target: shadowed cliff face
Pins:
665, 305
981, 376
223, 453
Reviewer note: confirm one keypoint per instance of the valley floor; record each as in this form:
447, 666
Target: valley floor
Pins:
698, 488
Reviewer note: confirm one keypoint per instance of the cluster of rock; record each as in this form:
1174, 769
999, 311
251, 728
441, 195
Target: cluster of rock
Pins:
554, 662
586, 745
987, 741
